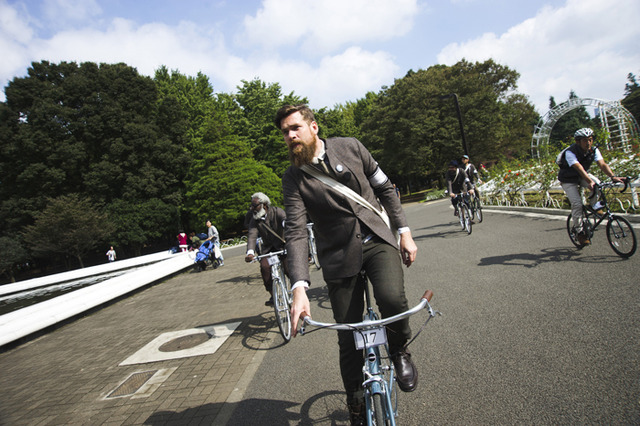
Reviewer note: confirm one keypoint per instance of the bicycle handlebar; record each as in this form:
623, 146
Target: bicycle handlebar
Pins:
365, 325
601, 185
273, 253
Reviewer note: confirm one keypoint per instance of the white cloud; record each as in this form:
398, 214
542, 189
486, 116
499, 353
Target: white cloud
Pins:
588, 46
61, 13
337, 79
325, 26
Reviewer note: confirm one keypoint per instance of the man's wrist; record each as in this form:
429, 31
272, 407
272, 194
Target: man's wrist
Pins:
403, 229
297, 284
250, 252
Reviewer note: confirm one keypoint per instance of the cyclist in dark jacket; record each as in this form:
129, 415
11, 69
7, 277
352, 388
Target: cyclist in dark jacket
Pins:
457, 182
267, 222
574, 163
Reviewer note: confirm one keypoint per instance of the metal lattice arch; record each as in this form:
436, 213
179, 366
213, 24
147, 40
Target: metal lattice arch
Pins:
621, 126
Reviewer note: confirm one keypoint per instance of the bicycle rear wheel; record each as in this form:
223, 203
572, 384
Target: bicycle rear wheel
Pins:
478, 208
464, 211
572, 230
281, 303
621, 237
588, 227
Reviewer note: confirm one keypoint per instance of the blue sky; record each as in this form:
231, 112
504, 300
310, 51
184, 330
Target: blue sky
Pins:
334, 51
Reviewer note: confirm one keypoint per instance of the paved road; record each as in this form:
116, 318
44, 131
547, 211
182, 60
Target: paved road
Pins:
533, 332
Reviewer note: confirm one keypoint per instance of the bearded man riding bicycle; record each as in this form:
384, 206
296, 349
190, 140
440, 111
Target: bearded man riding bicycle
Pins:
574, 163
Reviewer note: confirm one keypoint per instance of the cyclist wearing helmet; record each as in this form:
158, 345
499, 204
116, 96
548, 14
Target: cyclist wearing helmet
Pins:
574, 173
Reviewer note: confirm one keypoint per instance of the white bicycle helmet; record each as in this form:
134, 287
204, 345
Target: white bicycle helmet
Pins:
585, 132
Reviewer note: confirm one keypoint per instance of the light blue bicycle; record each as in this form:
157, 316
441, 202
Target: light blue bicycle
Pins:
378, 372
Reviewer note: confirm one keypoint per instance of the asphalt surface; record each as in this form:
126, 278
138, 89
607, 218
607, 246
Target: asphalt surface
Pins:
533, 331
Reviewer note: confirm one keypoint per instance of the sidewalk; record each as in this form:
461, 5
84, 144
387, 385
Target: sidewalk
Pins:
80, 373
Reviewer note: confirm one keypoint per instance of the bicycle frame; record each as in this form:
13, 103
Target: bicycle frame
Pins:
375, 368
281, 293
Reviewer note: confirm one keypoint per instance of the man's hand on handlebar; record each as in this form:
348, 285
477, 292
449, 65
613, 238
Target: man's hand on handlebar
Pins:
249, 258
300, 307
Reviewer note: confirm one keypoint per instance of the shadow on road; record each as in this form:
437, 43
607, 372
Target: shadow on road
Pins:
531, 260
327, 407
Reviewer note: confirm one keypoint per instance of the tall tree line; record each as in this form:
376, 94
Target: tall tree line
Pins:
150, 156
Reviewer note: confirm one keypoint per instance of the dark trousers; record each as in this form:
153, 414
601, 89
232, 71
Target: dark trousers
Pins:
265, 271
383, 266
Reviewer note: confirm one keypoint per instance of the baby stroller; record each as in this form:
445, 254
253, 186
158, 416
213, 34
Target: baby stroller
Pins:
206, 256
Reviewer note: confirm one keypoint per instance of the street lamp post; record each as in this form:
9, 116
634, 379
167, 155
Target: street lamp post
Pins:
455, 101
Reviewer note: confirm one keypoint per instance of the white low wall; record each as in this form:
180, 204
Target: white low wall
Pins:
83, 272
25, 321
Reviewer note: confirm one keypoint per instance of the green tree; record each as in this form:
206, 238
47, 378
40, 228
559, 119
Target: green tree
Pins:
68, 226
222, 181
12, 253
414, 131
259, 103
96, 130
631, 100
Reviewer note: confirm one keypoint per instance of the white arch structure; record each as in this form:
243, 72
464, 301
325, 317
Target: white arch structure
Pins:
621, 126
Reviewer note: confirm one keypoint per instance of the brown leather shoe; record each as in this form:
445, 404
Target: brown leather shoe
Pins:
583, 239
406, 371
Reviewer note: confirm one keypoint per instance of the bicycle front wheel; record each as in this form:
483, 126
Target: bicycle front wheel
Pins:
464, 211
281, 302
461, 216
378, 415
621, 237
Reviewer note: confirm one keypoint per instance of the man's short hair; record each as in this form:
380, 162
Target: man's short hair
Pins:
287, 110
262, 198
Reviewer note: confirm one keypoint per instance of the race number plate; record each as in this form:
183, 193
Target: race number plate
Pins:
370, 338
272, 260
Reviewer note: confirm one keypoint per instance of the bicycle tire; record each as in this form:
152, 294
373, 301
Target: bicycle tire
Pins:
572, 231
467, 218
378, 415
588, 226
621, 237
281, 303
478, 209
313, 252
461, 216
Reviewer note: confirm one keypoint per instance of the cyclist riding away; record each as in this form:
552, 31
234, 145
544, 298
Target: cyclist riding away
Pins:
267, 221
457, 183
574, 163
472, 173
350, 237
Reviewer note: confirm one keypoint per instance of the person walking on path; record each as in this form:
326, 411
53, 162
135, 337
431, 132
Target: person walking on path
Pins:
213, 236
111, 254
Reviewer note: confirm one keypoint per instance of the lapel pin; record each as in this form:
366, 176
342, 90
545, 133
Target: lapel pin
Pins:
339, 168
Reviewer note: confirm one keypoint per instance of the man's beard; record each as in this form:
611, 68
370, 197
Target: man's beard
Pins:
260, 213
305, 155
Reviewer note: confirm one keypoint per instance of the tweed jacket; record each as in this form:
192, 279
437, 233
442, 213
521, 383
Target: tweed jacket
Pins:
275, 219
337, 220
